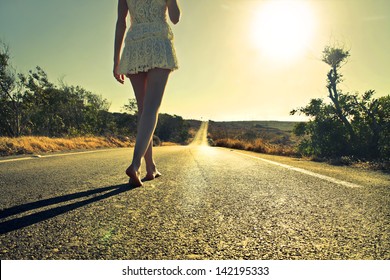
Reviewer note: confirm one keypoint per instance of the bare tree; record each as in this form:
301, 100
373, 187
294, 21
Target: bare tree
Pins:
336, 58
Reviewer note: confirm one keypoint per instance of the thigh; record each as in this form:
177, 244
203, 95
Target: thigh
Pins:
156, 81
138, 81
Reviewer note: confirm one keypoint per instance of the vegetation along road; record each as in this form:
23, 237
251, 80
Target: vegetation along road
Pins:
210, 203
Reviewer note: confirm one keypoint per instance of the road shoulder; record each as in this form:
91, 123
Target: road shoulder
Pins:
367, 178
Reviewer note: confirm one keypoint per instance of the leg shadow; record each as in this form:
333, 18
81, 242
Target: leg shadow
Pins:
31, 219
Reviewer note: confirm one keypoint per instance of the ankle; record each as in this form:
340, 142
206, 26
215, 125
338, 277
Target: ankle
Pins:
151, 168
136, 165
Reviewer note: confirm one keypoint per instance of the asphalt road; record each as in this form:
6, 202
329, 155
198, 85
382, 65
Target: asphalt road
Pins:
210, 203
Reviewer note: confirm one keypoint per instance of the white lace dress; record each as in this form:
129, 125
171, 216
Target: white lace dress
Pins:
149, 40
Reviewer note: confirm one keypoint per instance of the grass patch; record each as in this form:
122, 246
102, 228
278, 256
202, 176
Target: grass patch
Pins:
258, 146
268, 137
38, 144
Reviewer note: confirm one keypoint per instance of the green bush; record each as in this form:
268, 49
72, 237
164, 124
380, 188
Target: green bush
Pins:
351, 125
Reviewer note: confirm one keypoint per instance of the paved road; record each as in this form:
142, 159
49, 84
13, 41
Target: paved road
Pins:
210, 203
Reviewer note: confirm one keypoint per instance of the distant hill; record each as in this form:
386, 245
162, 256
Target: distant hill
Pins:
272, 131
281, 125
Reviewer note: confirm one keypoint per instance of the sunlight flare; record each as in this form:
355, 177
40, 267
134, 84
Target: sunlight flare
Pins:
282, 30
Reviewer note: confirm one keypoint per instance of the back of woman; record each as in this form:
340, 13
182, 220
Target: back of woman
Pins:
149, 40
147, 59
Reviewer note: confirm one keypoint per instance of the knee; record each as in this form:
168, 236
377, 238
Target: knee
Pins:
151, 108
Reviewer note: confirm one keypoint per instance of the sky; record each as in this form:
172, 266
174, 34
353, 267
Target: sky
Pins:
239, 60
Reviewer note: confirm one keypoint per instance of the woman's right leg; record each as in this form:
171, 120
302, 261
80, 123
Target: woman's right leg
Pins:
139, 83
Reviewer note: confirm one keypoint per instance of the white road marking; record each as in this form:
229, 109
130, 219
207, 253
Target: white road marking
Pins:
56, 155
15, 159
307, 172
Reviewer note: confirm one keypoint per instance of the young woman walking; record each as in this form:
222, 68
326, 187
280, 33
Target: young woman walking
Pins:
147, 59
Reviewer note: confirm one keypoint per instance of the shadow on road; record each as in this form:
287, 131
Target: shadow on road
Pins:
18, 223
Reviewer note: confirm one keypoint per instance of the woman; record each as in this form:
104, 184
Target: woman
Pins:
147, 60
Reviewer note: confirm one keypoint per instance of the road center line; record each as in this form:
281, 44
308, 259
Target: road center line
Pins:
55, 155
307, 172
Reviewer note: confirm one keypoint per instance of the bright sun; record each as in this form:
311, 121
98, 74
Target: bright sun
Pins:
282, 29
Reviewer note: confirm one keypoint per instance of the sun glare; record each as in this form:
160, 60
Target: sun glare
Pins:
282, 29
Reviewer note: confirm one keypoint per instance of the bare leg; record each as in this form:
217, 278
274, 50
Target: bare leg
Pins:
151, 169
139, 82
154, 86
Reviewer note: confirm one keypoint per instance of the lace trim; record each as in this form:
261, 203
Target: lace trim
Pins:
147, 10
148, 42
146, 30
146, 54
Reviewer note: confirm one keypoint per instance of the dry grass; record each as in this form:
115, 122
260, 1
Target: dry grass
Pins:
33, 144
169, 144
258, 146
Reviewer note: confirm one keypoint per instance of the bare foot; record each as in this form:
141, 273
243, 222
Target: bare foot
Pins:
151, 175
134, 175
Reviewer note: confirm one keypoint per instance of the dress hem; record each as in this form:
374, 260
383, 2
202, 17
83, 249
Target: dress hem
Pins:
144, 70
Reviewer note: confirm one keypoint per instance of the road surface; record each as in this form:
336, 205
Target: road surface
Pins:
210, 203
